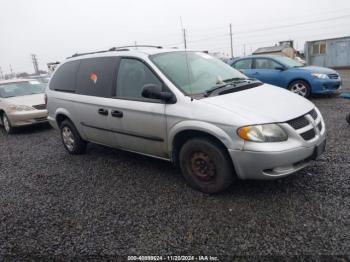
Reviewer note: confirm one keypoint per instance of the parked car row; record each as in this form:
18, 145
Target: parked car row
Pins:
287, 73
186, 107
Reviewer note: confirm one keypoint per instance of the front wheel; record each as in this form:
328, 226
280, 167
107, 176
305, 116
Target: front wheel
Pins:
206, 166
301, 88
71, 138
7, 124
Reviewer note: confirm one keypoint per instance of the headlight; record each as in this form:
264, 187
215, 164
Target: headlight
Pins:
321, 76
21, 108
262, 133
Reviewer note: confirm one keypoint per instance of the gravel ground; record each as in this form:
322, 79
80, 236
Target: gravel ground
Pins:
108, 202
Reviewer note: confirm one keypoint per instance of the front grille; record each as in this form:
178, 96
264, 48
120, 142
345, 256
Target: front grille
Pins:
308, 135
41, 119
313, 114
40, 107
333, 76
298, 123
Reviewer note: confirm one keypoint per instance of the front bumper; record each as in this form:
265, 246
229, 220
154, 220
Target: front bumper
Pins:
24, 118
326, 86
268, 161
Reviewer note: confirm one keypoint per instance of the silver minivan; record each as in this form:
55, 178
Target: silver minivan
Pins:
185, 107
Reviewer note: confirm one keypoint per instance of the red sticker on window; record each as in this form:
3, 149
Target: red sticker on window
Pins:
93, 77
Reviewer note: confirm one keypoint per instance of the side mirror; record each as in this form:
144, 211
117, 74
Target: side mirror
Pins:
280, 68
154, 91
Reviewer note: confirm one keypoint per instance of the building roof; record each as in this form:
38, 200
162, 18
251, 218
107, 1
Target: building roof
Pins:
269, 49
336, 38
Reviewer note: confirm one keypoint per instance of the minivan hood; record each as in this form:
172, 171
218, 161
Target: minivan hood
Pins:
30, 100
263, 104
318, 69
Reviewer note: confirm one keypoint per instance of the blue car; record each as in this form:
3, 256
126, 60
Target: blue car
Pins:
287, 73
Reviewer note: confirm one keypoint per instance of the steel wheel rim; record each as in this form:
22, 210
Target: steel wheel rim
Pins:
202, 167
68, 138
6, 124
299, 88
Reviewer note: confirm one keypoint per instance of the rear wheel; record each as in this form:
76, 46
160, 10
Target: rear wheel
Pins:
7, 124
71, 138
301, 88
206, 166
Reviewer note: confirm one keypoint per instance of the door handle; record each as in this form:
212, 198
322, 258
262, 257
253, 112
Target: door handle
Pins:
116, 113
103, 111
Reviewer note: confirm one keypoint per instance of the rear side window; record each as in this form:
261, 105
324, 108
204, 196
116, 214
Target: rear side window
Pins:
65, 76
243, 64
96, 76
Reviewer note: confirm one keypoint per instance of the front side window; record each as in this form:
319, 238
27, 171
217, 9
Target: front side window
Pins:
194, 72
262, 63
288, 61
21, 89
133, 75
243, 64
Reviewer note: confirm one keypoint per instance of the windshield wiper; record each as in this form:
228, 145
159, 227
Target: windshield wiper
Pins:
228, 82
233, 79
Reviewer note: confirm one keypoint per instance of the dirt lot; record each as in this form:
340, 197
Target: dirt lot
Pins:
109, 202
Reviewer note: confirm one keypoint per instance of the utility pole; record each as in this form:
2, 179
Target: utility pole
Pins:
1, 75
11, 70
231, 41
35, 64
135, 44
244, 49
184, 35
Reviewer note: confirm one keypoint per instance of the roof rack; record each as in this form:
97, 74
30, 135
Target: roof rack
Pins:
119, 48
135, 46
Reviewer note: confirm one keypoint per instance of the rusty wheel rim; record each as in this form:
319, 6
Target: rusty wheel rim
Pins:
202, 166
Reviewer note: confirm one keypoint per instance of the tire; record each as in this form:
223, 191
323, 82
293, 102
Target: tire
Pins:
7, 124
348, 118
301, 88
71, 138
206, 166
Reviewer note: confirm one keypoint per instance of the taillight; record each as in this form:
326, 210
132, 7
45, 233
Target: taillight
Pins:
45, 98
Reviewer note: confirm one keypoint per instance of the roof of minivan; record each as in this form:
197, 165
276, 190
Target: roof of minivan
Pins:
131, 52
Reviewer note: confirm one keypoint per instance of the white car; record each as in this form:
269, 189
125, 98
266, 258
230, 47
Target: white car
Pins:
21, 103
185, 107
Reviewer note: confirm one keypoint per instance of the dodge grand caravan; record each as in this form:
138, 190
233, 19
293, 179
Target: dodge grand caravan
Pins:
186, 107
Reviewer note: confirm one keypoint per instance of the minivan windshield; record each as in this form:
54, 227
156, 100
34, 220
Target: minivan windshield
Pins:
195, 72
288, 61
21, 88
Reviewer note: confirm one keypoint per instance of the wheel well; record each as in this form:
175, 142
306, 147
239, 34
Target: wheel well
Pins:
60, 118
2, 112
299, 79
182, 137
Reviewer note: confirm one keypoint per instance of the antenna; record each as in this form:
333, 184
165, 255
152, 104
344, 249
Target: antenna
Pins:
183, 33
231, 41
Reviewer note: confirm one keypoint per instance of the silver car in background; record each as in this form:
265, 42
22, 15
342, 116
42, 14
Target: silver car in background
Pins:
188, 108
22, 103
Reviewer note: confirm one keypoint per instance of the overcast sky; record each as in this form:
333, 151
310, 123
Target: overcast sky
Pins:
56, 29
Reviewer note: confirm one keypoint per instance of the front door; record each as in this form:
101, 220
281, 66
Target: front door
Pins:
142, 121
265, 71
